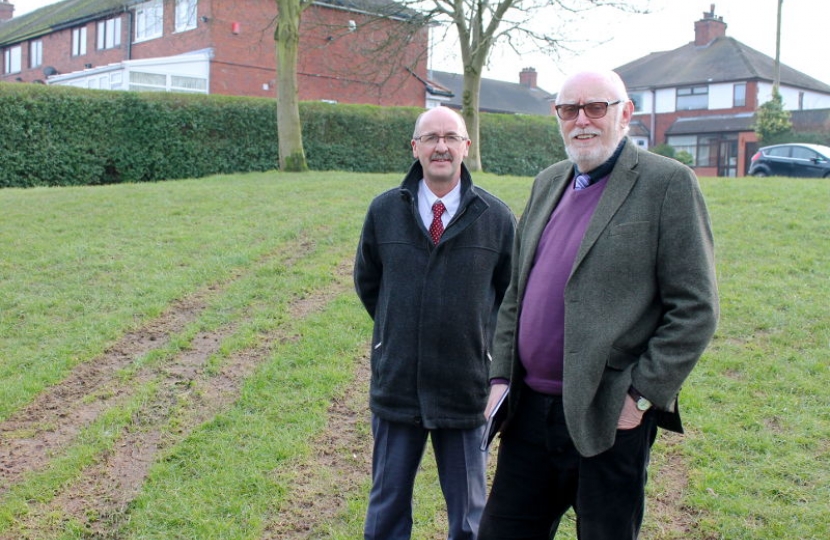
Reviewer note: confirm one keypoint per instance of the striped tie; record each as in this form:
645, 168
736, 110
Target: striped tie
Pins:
582, 181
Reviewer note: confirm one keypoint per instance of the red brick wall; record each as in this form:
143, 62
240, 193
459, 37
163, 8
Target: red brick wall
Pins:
334, 64
57, 49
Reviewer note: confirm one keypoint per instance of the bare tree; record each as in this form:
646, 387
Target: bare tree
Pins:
479, 25
289, 130
386, 48
522, 25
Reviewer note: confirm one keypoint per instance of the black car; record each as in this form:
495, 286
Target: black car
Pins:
797, 159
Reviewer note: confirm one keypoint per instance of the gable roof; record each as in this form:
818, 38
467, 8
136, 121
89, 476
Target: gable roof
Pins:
495, 96
724, 59
58, 16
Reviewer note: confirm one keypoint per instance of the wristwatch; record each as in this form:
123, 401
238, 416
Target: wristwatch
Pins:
642, 403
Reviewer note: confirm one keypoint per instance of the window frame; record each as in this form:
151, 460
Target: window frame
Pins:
739, 95
79, 41
149, 20
693, 98
108, 34
637, 99
35, 53
185, 15
13, 59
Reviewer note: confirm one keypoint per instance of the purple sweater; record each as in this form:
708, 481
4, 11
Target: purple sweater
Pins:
542, 319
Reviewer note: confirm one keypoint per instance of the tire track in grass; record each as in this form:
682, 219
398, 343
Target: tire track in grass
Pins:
30, 437
97, 502
666, 517
339, 466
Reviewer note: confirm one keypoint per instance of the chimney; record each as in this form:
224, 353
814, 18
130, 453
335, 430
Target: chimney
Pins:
6, 10
709, 28
527, 77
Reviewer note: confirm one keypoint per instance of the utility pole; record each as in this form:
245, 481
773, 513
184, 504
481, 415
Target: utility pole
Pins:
777, 81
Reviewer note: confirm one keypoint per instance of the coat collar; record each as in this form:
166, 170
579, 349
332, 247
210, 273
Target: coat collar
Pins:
409, 187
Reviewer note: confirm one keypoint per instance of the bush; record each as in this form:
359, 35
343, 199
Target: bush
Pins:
666, 150
54, 136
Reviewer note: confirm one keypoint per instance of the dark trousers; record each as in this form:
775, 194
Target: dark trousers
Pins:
396, 458
540, 475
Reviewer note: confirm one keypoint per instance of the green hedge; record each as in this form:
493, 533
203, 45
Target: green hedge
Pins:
53, 136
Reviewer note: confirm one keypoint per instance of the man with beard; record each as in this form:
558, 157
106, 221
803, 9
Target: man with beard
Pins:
432, 267
612, 300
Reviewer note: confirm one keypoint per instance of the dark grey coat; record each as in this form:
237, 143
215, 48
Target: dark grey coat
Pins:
434, 307
641, 302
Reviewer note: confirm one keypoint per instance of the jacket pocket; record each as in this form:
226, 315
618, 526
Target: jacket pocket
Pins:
621, 360
630, 229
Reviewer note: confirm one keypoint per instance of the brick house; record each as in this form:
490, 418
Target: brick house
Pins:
702, 98
216, 47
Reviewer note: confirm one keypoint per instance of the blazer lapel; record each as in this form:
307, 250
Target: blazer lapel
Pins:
619, 185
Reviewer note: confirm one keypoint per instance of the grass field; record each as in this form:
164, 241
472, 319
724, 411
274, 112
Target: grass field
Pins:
188, 360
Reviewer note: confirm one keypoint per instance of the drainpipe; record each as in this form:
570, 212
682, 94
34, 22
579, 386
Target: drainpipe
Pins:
653, 116
131, 31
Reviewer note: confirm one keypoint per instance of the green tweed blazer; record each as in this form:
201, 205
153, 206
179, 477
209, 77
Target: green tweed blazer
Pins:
641, 302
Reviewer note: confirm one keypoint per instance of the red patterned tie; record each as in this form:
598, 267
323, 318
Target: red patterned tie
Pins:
437, 227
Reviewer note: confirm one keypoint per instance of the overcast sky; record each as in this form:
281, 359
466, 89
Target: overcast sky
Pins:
805, 37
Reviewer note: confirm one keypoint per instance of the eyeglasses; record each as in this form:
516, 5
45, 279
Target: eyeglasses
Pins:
594, 109
433, 138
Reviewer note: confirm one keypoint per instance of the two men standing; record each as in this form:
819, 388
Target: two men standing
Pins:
612, 298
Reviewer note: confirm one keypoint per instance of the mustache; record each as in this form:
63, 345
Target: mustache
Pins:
441, 155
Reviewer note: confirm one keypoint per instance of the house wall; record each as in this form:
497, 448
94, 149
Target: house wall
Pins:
794, 98
664, 99
332, 64
721, 96
368, 64
57, 48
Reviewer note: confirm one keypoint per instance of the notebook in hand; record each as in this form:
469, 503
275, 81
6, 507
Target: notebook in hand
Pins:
495, 420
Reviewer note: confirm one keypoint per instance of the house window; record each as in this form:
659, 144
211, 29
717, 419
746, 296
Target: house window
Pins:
185, 15
79, 41
35, 53
637, 99
160, 82
692, 98
685, 143
148, 82
739, 95
180, 83
12, 58
703, 148
109, 33
707, 151
148, 20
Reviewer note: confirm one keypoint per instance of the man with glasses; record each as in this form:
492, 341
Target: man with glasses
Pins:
432, 267
612, 300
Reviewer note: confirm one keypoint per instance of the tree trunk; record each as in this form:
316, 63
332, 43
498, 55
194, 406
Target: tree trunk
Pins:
289, 129
469, 110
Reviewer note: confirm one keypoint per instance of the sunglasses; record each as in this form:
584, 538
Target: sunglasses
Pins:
594, 109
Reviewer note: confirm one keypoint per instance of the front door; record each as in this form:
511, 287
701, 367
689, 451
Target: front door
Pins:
728, 158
